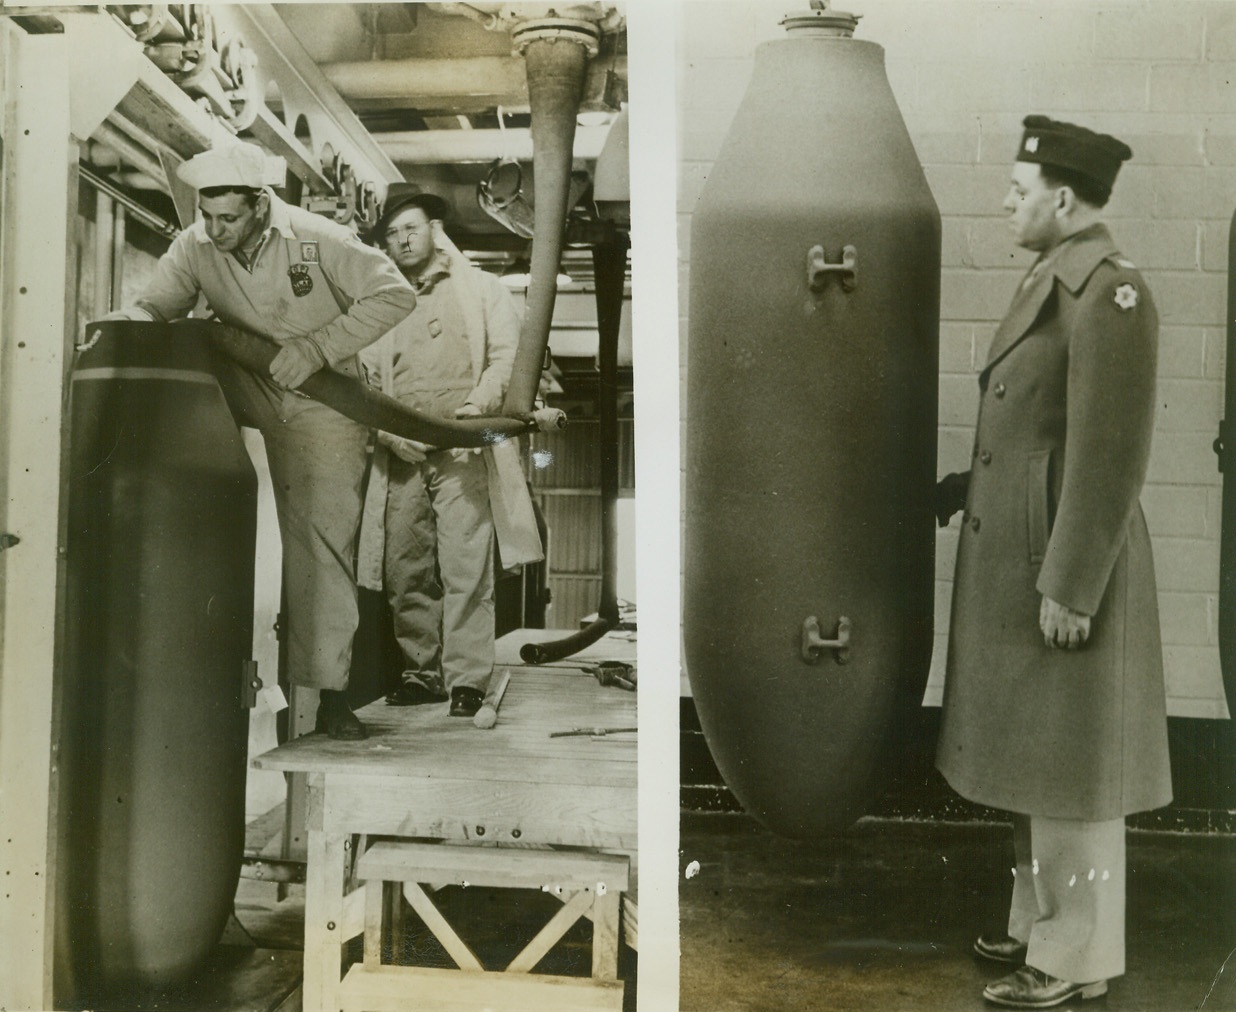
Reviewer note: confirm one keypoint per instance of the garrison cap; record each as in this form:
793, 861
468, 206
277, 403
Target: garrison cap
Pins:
1068, 146
236, 163
400, 197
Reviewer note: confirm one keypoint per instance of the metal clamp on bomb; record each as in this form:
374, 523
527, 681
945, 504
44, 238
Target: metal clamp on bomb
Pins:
814, 643
819, 269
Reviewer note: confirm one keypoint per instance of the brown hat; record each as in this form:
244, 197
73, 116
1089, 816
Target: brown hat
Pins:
1068, 146
400, 197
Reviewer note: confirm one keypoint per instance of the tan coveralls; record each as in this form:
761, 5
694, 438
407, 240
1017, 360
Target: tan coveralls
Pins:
438, 563
309, 278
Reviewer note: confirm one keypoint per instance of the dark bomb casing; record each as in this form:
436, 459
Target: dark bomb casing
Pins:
811, 433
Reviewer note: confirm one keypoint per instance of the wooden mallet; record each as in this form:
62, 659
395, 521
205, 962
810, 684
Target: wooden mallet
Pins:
487, 716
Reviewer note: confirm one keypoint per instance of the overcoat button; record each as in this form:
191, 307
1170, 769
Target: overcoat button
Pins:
1000, 389
985, 456
975, 524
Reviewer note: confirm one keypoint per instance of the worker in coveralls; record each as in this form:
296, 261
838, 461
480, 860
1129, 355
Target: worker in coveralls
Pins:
431, 513
316, 289
1054, 701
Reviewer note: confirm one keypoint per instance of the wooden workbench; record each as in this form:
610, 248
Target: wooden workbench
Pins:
424, 774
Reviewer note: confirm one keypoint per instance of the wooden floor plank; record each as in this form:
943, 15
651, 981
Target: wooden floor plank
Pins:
416, 989
424, 741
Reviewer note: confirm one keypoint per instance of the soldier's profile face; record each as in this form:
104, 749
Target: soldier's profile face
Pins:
1032, 205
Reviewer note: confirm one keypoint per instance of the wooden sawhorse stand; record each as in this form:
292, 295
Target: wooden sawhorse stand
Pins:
590, 885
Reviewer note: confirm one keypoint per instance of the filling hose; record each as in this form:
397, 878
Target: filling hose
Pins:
361, 402
556, 66
349, 396
555, 69
609, 263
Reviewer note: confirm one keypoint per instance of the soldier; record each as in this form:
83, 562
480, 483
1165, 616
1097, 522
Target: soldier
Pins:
1054, 701
313, 287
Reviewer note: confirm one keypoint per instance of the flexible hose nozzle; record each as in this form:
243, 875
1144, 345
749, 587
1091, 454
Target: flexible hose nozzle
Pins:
556, 57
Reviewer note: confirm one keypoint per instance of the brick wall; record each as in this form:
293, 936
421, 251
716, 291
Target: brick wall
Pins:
1161, 75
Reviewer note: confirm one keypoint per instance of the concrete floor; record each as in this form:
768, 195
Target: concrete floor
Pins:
882, 917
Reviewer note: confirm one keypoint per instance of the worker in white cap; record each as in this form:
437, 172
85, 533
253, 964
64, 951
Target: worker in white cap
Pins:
313, 287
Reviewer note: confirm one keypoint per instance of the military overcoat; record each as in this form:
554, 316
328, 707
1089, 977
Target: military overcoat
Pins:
1061, 448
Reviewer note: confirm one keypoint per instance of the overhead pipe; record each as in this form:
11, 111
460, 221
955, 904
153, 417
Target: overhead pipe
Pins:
426, 80
430, 147
489, 20
126, 150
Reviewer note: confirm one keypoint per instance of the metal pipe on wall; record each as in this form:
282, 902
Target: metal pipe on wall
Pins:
133, 209
119, 222
104, 209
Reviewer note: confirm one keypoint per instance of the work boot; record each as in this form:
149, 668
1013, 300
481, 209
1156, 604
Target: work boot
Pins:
466, 701
336, 719
414, 694
1032, 988
1001, 949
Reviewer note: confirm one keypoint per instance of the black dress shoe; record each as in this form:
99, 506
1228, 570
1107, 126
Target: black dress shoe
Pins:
1031, 988
1001, 949
414, 694
465, 701
335, 718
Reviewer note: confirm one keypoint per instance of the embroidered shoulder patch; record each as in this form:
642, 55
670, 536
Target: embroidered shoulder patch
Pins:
1126, 296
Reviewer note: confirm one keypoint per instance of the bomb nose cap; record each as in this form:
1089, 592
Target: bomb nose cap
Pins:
820, 20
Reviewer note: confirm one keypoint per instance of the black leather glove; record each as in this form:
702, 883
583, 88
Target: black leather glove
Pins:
951, 496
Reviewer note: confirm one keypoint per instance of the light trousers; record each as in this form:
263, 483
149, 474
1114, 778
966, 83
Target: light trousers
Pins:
439, 569
1069, 896
317, 465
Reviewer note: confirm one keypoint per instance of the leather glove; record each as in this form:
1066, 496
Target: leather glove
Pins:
408, 450
951, 496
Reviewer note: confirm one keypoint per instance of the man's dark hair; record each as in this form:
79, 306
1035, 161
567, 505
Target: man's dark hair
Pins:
248, 192
1088, 190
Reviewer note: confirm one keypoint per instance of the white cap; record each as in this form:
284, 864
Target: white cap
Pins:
234, 164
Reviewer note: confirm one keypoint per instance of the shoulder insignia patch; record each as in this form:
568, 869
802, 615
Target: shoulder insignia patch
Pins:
1126, 296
